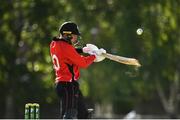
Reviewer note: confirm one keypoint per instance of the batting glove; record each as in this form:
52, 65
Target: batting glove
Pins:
99, 55
100, 51
90, 49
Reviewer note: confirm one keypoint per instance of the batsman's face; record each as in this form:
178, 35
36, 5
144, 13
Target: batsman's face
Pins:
74, 38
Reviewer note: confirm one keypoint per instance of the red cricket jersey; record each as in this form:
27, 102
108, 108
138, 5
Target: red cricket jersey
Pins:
62, 54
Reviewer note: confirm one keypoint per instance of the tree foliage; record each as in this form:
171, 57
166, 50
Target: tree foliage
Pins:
26, 73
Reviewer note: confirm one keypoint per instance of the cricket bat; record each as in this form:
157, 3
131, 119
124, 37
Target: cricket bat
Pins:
123, 60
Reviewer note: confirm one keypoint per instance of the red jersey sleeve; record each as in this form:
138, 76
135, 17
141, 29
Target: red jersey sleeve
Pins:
81, 61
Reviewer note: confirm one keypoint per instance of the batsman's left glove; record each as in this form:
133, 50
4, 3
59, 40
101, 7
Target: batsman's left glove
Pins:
90, 48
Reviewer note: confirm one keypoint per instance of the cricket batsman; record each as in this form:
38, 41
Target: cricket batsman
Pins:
67, 63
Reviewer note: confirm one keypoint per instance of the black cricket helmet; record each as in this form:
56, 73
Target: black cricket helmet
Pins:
69, 28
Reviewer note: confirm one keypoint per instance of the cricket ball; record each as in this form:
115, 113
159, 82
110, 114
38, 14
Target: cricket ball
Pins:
139, 31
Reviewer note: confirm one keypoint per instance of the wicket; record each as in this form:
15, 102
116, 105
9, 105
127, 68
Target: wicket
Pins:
32, 111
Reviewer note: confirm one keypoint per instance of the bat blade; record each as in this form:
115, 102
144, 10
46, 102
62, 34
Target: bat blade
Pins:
123, 60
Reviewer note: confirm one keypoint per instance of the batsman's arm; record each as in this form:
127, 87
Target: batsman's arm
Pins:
79, 50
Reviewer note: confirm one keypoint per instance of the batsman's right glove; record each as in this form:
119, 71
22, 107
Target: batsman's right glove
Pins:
99, 56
